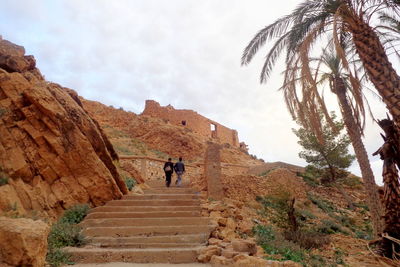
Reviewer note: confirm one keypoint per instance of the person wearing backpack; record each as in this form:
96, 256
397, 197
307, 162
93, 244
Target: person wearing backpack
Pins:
179, 168
168, 169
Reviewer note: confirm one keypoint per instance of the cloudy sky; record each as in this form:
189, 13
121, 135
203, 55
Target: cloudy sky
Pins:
180, 52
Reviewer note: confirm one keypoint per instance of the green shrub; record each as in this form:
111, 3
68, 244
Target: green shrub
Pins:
263, 233
323, 204
56, 257
307, 239
265, 173
363, 235
285, 250
362, 205
364, 232
3, 179
130, 183
75, 214
338, 257
346, 221
352, 181
63, 234
330, 227
310, 176
273, 243
276, 207
306, 215
316, 261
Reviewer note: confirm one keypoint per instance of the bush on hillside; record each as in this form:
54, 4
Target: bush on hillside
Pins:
307, 239
330, 227
130, 183
65, 233
76, 214
3, 178
323, 204
277, 206
276, 246
311, 175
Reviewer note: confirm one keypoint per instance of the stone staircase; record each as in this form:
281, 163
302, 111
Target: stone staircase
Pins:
162, 226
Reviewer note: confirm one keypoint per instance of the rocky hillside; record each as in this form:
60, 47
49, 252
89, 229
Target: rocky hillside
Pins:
52, 153
57, 150
256, 200
141, 135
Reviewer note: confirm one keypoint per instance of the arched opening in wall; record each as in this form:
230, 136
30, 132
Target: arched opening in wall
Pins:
184, 123
213, 130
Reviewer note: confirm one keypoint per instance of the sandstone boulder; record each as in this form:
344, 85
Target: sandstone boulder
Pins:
246, 246
23, 242
220, 261
206, 253
214, 241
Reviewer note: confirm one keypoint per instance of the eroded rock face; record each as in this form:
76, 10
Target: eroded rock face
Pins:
53, 152
23, 242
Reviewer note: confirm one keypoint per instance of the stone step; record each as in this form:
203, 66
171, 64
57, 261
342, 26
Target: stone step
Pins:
116, 222
145, 245
174, 190
150, 214
145, 231
161, 196
133, 255
165, 202
144, 209
120, 241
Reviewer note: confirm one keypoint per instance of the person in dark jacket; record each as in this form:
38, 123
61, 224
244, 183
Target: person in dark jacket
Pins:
168, 169
179, 168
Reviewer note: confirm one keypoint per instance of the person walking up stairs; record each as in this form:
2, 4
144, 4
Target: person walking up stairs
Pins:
162, 226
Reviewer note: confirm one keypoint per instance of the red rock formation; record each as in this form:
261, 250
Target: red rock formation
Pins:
53, 152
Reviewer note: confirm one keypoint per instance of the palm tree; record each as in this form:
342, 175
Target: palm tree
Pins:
339, 85
389, 30
296, 34
312, 19
390, 247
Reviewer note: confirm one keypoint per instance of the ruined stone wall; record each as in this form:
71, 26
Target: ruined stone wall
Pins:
193, 121
151, 169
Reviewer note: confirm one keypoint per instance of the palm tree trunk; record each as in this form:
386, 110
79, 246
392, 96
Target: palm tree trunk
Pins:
391, 199
373, 200
377, 65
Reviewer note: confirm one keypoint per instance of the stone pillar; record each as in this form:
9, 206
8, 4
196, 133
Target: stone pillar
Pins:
143, 163
212, 171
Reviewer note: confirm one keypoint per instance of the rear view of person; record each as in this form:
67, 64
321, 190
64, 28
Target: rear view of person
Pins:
179, 168
168, 169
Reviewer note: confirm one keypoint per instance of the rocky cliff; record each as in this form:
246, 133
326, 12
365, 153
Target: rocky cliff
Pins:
52, 153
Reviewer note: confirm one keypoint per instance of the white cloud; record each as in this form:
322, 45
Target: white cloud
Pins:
180, 52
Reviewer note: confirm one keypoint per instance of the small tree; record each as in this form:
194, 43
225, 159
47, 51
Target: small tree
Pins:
328, 152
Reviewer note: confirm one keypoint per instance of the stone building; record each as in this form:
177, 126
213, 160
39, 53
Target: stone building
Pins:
192, 120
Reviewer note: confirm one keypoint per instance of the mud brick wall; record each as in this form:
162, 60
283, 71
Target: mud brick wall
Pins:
193, 121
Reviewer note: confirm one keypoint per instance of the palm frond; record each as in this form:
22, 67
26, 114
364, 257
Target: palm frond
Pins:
271, 31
